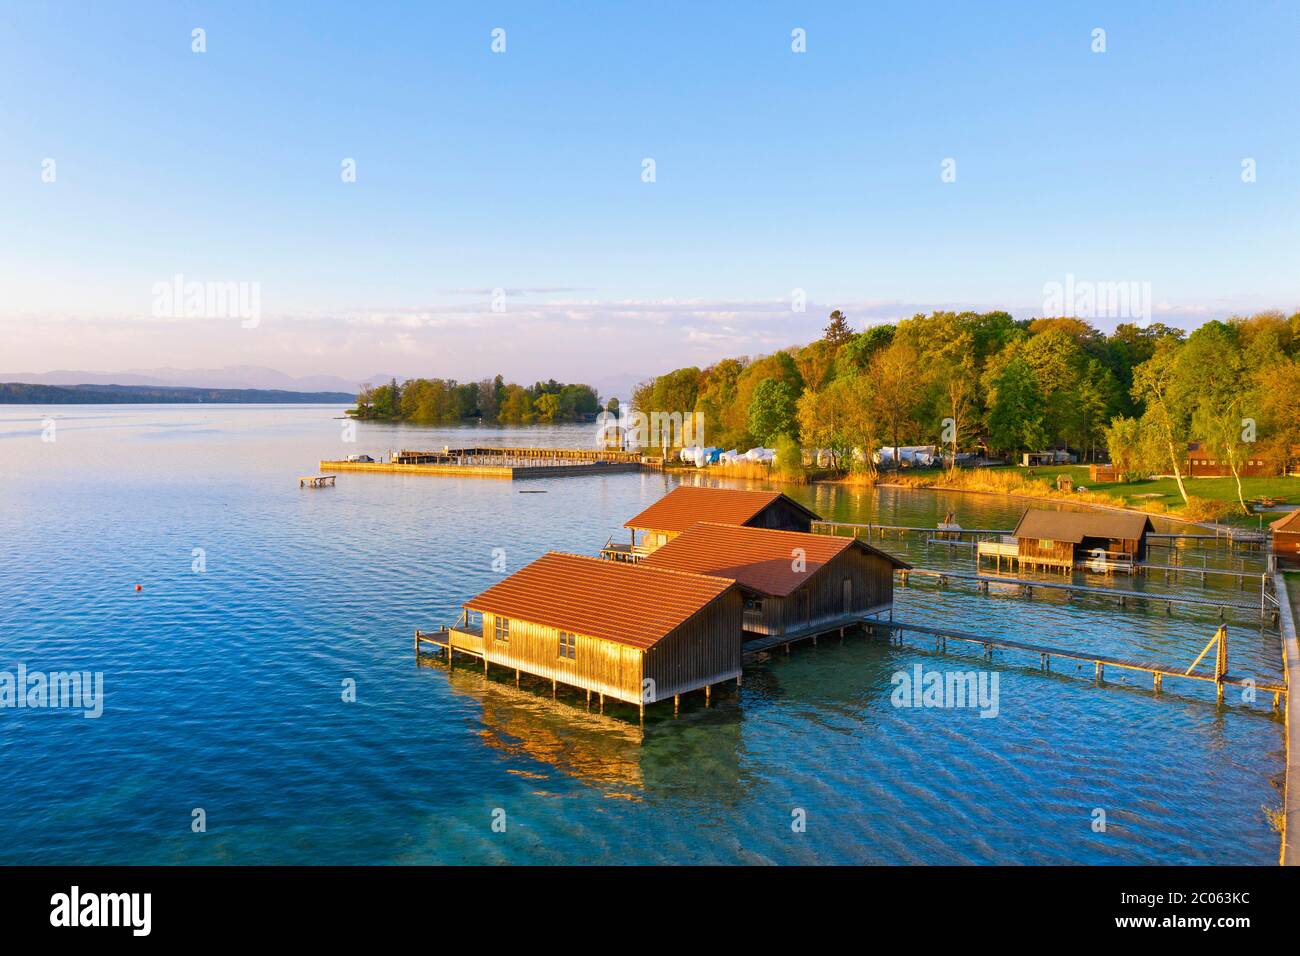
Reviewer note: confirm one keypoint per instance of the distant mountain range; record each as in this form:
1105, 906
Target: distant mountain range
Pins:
23, 393
184, 385
232, 376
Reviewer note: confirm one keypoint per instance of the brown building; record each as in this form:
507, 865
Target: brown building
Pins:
1108, 540
1201, 464
633, 633
1286, 537
795, 584
687, 505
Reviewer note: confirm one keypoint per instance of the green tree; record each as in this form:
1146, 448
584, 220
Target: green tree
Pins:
1016, 409
516, 406
1168, 412
898, 392
772, 411
547, 407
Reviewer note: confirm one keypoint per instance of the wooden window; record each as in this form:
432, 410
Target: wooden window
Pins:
1047, 544
568, 645
501, 629
753, 604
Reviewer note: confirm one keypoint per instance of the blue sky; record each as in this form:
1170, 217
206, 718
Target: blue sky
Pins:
775, 171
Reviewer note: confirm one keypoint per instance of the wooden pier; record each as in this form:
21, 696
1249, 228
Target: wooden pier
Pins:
503, 468
1290, 853
1220, 677
316, 481
1266, 608
1246, 539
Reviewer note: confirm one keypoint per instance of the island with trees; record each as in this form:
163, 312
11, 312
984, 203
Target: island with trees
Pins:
437, 401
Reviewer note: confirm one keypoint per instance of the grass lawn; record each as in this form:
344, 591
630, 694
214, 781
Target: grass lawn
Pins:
1165, 490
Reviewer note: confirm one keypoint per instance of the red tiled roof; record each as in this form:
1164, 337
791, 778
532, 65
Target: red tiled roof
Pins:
757, 558
617, 601
1286, 523
686, 505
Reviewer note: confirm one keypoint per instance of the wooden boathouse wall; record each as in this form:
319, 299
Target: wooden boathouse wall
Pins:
1046, 552
705, 649
870, 585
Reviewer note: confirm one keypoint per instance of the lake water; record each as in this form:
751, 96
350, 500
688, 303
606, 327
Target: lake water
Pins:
224, 685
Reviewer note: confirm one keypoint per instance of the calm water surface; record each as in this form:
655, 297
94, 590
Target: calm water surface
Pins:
223, 688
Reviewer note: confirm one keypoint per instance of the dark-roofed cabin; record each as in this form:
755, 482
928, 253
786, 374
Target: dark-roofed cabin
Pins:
1286, 537
794, 583
1101, 540
608, 627
687, 505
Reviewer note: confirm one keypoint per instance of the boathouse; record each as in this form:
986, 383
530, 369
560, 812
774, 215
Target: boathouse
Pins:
1104, 540
619, 630
794, 584
687, 505
1286, 537
1201, 464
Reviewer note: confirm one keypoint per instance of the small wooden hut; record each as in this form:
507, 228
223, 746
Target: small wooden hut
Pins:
1060, 539
1286, 537
795, 584
633, 633
687, 505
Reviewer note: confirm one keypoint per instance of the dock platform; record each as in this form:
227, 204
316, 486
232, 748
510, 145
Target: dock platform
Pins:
316, 481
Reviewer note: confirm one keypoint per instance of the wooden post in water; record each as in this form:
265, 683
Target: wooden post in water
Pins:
1221, 660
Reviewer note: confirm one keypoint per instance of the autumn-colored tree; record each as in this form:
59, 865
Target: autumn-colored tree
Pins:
898, 392
838, 331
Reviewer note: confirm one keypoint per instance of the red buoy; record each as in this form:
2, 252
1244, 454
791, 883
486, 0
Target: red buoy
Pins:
139, 587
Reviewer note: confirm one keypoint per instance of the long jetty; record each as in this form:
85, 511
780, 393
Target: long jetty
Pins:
1220, 677
896, 629
1290, 855
1231, 537
1267, 606
503, 463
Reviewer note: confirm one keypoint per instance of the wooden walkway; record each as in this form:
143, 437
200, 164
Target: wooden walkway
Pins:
1265, 608
514, 456
1290, 855
1164, 539
1159, 672
542, 468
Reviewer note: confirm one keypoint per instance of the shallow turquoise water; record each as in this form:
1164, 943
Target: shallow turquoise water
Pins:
223, 687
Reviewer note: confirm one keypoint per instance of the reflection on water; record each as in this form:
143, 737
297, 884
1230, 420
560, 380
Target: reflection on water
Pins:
222, 687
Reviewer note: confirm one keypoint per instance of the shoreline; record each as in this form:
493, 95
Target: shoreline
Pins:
851, 482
